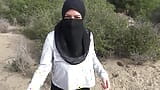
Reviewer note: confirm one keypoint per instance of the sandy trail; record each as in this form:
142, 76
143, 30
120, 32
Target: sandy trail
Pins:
10, 80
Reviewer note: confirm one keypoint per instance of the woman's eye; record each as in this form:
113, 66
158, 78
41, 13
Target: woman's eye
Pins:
67, 17
72, 17
77, 17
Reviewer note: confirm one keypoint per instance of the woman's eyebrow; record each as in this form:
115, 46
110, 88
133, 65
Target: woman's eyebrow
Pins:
77, 15
71, 15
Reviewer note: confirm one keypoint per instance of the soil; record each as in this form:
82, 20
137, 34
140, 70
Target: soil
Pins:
10, 80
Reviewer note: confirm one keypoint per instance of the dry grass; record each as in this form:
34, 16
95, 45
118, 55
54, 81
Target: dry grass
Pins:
4, 24
6, 27
23, 62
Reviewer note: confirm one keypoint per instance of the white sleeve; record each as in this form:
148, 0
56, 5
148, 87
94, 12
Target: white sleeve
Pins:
98, 68
44, 67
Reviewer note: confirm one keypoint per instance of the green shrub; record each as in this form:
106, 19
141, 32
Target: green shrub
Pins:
22, 10
39, 26
111, 32
38, 16
155, 16
16, 10
105, 24
139, 40
3, 8
43, 20
135, 8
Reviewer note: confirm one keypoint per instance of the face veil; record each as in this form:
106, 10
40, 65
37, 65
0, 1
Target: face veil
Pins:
72, 39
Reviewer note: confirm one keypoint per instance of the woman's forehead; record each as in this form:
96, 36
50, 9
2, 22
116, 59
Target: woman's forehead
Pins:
72, 12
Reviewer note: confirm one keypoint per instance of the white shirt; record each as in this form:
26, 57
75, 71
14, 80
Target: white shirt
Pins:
65, 75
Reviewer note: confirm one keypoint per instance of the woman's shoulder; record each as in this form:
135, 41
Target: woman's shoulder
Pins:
91, 35
89, 32
50, 35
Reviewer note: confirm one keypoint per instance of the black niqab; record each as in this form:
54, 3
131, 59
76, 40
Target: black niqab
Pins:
71, 38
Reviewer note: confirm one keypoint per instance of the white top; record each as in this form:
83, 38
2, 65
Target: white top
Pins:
65, 75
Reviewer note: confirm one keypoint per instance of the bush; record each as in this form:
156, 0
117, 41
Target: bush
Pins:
105, 24
23, 10
155, 16
135, 8
139, 39
39, 26
43, 20
16, 10
112, 34
3, 8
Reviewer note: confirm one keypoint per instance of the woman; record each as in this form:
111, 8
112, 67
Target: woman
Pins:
68, 52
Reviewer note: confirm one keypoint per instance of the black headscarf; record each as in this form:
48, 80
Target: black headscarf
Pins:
71, 37
77, 5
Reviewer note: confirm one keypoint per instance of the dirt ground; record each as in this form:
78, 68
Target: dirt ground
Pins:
123, 76
10, 80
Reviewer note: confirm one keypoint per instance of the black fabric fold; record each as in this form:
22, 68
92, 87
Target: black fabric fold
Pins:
64, 50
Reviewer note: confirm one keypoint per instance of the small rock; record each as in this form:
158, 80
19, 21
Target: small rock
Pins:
120, 64
134, 73
115, 75
152, 66
139, 63
127, 66
149, 84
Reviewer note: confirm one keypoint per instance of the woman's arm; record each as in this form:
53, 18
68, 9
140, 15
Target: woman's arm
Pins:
98, 68
101, 72
44, 67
